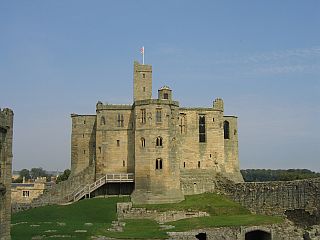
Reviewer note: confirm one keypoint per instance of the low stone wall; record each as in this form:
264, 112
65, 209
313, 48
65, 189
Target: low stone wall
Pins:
274, 197
126, 211
284, 231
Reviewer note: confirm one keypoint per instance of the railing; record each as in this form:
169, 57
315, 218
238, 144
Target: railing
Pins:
80, 192
120, 177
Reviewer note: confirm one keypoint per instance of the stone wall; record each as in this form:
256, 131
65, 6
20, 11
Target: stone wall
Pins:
275, 197
126, 211
283, 231
6, 134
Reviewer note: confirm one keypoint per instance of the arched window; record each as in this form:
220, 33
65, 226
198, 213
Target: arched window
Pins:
159, 142
143, 142
226, 129
158, 163
102, 121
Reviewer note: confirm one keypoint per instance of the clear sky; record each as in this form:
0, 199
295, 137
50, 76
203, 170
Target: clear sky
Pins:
261, 57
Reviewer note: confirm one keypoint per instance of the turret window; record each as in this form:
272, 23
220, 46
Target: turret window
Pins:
158, 163
226, 130
159, 142
165, 96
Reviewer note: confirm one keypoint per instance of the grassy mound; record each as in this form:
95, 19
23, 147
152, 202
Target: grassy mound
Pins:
94, 216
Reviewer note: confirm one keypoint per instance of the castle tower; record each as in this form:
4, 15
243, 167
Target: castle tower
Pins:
142, 82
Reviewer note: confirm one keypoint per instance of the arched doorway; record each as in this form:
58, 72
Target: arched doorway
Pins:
258, 235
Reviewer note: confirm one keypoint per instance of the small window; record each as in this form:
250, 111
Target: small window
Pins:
212, 119
159, 142
118, 143
102, 121
25, 193
144, 89
99, 149
143, 142
158, 115
143, 75
198, 164
158, 163
184, 164
123, 163
143, 116
84, 151
210, 155
84, 122
82, 135
165, 96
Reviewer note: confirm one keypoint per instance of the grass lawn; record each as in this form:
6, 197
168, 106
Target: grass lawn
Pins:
94, 216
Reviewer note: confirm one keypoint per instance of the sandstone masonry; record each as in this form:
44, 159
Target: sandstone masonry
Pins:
6, 132
172, 150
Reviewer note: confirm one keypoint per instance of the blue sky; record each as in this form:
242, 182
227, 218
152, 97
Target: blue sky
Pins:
261, 57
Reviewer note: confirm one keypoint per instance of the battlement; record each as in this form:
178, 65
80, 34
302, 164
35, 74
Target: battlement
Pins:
107, 106
218, 104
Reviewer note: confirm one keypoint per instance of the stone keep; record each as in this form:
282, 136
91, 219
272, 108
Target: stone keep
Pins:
172, 150
6, 126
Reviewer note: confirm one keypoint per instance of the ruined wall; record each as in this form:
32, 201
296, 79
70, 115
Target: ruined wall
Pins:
231, 151
6, 134
276, 197
282, 231
83, 146
200, 155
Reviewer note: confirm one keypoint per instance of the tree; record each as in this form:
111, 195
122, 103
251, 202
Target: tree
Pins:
64, 176
38, 172
25, 173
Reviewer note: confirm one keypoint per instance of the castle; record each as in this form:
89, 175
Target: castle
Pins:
6, 131
170, 150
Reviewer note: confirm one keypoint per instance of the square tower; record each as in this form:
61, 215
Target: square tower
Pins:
142, 82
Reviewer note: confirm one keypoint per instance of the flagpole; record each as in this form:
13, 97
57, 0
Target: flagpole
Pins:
143, 55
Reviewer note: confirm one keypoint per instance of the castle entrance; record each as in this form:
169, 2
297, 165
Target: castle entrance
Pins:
114, 189
258, 235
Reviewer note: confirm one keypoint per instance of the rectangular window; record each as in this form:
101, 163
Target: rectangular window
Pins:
202, 128
120, 120
158, 115
118, 143
143, 116
25, 193
182, 123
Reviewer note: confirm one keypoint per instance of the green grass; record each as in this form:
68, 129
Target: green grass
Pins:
66, 219
211, 203
102, 211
